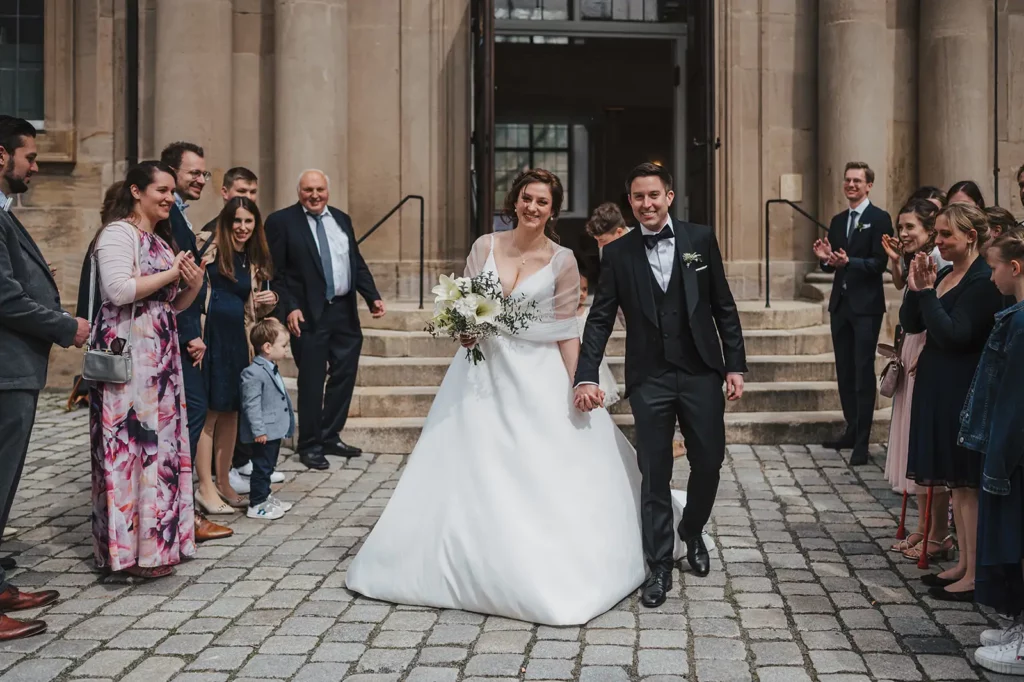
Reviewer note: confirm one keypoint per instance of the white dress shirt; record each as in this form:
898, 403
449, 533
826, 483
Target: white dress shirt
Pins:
660, 257
337, 242
859, 209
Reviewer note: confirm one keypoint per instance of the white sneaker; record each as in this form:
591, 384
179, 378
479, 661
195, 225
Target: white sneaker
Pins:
277, 477
1007, 659
239, 484
246, 470
266, 511
998, 637
280, 504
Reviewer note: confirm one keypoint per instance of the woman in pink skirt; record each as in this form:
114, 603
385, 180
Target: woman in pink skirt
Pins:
916, 232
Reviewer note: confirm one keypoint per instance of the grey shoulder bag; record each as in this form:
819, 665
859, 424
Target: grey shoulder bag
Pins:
110, 366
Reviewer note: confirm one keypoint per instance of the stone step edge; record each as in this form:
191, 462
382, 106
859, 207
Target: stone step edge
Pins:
375, 360
811, 330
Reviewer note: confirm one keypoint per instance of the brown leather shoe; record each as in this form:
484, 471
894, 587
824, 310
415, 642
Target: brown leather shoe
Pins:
208, 530
13, 599
16, 629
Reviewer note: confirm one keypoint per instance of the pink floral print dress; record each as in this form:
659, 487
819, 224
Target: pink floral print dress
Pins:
141, 464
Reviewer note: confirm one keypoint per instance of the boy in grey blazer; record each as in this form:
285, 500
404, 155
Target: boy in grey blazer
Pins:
267, 415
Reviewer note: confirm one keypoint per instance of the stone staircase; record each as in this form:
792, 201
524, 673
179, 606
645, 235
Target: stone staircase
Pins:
790, 396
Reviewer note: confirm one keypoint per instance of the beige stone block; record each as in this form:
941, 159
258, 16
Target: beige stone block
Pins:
82, 187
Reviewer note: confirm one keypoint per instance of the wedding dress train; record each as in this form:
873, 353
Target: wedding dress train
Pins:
513, 502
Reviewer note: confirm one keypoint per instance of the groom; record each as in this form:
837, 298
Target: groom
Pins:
668, 279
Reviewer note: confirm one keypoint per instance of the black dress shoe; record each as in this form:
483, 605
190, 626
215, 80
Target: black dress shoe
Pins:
942, 594
656, 587
933, 580
697, 555
8, 563
841, 444
341, 449
314, 459
859, 457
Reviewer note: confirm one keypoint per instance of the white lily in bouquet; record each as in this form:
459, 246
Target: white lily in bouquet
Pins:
474, 308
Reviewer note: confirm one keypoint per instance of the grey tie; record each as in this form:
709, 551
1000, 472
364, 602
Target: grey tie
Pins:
325, 255
849, 225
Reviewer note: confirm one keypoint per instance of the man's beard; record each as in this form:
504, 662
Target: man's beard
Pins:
14, 183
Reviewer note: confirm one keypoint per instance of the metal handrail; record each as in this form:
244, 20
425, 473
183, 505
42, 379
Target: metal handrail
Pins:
392, 212
768, 242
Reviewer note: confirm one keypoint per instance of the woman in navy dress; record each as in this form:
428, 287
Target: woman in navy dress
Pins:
239, 269
957, 309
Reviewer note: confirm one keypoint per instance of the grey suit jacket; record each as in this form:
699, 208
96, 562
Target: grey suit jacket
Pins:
266, 409
31, 317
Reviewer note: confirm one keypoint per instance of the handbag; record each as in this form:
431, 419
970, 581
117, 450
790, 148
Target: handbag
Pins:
892, 371
113, 365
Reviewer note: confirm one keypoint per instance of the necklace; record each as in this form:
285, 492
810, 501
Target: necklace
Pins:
522, 258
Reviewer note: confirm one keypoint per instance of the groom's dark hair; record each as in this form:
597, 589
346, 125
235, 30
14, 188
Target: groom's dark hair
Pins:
646, 170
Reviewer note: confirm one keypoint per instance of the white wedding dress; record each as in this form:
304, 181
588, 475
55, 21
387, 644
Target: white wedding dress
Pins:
513, 502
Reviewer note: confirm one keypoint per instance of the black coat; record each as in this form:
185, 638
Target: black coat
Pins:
863, 274
298, 272
625, 282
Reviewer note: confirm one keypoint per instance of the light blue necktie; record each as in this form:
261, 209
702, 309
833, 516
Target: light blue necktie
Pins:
325, 255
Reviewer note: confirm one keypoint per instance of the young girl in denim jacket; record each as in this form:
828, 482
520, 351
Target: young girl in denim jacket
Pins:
992, 422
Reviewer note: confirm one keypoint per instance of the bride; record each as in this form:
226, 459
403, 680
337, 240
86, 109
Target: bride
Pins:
513, 502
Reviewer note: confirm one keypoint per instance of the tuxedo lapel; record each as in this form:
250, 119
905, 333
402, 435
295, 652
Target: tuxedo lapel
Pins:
270, 374
29, 246
683, 245
306, 235
642, 274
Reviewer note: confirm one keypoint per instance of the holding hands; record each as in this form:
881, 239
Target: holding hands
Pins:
588, 397
923, 273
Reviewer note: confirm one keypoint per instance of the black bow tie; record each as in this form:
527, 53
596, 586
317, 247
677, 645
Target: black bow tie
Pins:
651, 240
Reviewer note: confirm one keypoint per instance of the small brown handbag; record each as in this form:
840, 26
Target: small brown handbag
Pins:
893, 369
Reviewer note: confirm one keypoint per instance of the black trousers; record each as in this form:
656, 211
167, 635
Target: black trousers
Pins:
196, 399
327, 349
17, 414
697, 401
264, 461
855, 343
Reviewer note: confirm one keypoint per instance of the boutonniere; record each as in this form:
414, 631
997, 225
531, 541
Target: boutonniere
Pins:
690, 258
863, 226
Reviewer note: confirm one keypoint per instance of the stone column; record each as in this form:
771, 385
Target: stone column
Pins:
311, 83
855, 97
193, 86
955, 93
252, 137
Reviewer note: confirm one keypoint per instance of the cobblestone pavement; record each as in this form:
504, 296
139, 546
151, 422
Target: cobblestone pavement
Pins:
802, 589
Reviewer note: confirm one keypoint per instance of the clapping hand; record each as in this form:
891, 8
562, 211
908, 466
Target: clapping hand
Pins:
893, 247
823, 250
191, 273
839, 259
923, 273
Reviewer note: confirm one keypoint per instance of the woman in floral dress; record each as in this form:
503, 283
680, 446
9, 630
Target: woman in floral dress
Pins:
142, 520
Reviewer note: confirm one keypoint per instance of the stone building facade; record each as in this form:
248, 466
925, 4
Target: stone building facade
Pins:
380, 94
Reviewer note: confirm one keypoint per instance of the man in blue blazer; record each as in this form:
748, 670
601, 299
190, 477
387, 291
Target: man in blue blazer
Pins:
853, 251
318, 272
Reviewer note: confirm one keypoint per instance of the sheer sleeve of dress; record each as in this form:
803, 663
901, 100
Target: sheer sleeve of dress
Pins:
556, 316
477, 258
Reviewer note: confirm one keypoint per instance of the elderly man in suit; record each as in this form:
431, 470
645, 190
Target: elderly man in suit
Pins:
31, 321
317, 273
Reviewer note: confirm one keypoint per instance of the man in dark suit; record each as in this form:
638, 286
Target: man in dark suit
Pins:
317, 273
189, 166
31, 321
853, 250
669, 281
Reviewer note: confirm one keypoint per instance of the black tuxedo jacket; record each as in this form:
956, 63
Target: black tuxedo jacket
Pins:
625, 282
190, 324
298, 273
862, 276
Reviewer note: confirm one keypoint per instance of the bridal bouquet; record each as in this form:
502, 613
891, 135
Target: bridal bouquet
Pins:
474, 307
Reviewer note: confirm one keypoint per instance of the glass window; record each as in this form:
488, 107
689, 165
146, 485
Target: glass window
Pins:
542, 10
21, 58
521, 146
633, 10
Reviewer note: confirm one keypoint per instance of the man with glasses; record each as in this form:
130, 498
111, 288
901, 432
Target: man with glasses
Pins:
189, 166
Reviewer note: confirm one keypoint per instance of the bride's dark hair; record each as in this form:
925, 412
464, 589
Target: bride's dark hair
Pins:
529, 177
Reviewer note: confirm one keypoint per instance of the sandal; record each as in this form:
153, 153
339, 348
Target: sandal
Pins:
912, 540
149, 573
220, 508
943, 553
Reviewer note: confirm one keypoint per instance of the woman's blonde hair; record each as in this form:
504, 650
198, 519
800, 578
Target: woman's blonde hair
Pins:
967, 218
